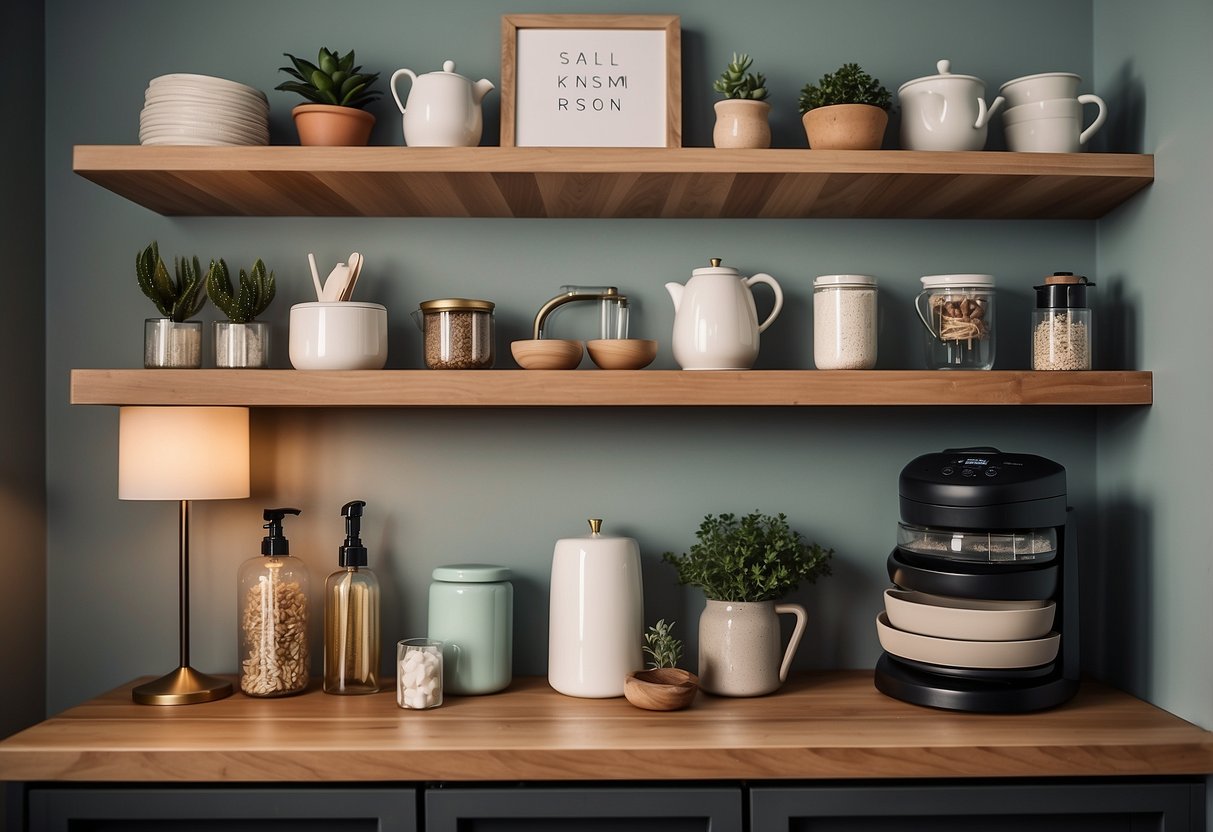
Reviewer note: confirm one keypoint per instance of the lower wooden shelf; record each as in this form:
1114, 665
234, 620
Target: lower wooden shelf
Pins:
596, 388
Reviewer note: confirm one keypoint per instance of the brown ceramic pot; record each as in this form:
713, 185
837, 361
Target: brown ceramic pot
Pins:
327, 125
846, 127
742, 123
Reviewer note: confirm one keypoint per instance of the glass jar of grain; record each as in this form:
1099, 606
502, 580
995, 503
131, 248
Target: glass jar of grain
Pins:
1061, 323
844, 322
458, 333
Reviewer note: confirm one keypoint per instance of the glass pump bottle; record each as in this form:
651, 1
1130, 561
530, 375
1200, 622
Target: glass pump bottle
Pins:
351, 615
272, 605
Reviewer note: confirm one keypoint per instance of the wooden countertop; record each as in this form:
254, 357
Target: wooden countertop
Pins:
820, 725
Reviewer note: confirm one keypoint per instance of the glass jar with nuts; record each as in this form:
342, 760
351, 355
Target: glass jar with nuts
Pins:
457, 333
957, 311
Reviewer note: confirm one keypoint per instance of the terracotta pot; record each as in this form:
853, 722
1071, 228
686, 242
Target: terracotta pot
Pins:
739, 646
742, 122
845, 127
327, 125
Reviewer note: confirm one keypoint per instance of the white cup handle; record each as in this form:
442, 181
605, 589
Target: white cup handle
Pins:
1099, 119
802, 618
770, 281
412, 76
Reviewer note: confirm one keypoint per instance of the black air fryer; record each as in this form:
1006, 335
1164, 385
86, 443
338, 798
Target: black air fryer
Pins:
985, 526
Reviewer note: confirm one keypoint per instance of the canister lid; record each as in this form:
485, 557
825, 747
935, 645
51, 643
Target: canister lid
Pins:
456, 305
1063, 290
844, 280
471, 573
935, 281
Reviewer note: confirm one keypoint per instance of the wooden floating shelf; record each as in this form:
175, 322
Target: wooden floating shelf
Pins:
595, 388
614, 182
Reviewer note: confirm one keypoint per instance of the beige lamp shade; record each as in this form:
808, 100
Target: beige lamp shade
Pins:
183, 453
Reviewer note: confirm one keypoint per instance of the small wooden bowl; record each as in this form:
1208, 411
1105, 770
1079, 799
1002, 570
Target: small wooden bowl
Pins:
622, 353
547, 354
664, 689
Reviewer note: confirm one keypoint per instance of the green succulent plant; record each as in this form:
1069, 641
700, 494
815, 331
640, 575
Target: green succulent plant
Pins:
737, 82
849, 85
756, 558
331, 80
659, 643
179, 299
243, 304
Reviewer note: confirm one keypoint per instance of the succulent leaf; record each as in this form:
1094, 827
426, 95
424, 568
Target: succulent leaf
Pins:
346, 64
327, 63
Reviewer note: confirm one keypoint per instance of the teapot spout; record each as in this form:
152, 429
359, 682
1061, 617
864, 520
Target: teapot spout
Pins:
480, 89
675, 290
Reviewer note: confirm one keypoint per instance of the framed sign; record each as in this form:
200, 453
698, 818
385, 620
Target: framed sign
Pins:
591, 80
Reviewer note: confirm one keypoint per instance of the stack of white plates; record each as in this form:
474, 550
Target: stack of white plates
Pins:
201, 110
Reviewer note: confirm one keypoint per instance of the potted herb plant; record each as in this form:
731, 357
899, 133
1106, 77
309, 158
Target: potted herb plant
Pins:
744, 566
337, 90
171, 341
845, 110
663, 686
742, 117
241, 341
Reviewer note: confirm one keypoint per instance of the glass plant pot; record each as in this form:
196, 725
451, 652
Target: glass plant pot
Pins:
242, 345
169, 344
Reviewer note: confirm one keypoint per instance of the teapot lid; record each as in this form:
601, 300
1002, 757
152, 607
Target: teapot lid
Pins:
448, 68
945, 74
715, 268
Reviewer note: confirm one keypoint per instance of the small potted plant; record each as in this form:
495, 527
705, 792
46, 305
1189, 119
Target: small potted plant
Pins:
172, 341
241, 341
337, 90
743, 567
845, 110
663, 686
742, 117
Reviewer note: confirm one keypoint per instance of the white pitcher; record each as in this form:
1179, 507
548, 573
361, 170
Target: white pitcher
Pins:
715, 322
443, 109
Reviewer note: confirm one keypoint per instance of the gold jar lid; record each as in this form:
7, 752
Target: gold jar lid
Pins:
456, 305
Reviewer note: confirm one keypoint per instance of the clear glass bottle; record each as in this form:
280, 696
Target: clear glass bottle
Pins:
1061, 324
844, 322
272, 606
959, 319
351, 616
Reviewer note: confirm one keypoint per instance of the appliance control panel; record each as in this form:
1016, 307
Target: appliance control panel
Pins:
981, 476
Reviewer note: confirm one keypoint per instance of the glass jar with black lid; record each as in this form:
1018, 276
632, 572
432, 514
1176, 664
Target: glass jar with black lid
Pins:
1062, 331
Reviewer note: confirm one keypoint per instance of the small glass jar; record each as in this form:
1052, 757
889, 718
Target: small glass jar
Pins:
959, 319
844, 322
419, 673
472, 613
458, 333
272, 605
169, 344
245, 346
1061, 324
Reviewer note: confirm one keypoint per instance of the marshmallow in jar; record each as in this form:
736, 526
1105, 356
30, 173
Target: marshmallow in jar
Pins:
419, 673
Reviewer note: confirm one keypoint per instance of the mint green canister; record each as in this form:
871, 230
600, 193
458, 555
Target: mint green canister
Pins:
472, 614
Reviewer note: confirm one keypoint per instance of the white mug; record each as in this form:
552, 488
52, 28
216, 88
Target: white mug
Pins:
1052, 125
338, 335
1043, 86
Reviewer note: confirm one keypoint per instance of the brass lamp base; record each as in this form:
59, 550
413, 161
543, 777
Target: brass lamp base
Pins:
184, 686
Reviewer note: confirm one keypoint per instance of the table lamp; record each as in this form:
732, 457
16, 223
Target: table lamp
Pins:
184, 454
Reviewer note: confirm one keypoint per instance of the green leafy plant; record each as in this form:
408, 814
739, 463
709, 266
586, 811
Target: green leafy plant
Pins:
738, 82
243, 304
179, 299
849, 85
664, 650
331, 80
756, 558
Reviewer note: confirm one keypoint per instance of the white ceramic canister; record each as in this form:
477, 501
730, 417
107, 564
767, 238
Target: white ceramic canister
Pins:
597, 614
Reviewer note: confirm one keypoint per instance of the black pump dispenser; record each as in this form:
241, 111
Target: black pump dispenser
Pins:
274, 544
352, 552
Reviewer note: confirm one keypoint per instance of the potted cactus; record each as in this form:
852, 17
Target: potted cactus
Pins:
845, 110
172, 341
742, 117
337, 90
241, 341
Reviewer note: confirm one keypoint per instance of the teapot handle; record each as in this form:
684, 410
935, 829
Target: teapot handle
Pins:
802, 618
412, 76
770, 281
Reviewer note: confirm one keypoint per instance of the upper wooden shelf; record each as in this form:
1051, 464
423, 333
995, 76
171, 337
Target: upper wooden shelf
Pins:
819, 725
579, 388
613, 182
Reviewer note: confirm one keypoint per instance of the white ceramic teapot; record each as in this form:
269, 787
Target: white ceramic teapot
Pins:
715, 322
945, 111
444, 108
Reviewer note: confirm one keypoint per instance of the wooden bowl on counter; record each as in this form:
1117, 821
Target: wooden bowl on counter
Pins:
663, 689
622, 353
546, 354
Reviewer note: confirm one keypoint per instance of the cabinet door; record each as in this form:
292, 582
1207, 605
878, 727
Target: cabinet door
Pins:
583, 809
1129, 806
205, 809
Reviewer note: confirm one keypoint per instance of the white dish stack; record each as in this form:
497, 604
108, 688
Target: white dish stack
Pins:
183, 109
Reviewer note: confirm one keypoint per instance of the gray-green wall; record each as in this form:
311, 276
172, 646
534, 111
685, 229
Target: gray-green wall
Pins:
446, 485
